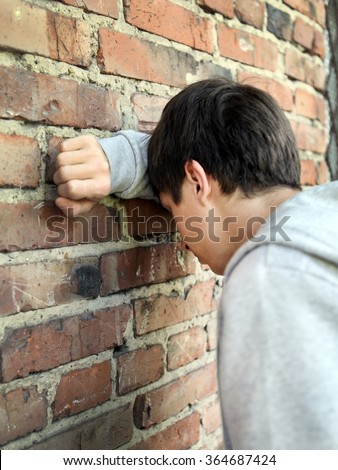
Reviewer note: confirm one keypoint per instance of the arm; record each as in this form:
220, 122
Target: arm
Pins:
278, 353
87, 170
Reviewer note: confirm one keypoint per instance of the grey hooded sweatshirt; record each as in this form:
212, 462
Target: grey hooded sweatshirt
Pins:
277, 318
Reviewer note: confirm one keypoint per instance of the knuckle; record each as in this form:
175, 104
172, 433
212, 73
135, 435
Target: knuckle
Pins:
71, 189
61, 174
91, 139
62, 146
59, 160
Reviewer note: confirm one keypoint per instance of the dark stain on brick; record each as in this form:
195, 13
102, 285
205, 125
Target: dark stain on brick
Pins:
88, 281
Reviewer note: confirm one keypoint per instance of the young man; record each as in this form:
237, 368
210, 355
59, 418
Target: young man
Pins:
224, 153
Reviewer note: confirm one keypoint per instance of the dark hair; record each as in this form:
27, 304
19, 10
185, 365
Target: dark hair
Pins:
238, 134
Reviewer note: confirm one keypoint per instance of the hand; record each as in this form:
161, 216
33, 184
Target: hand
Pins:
82, 175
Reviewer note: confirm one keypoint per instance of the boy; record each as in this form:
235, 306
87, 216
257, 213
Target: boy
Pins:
224, 153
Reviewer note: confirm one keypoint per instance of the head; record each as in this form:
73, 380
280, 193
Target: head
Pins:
236, 133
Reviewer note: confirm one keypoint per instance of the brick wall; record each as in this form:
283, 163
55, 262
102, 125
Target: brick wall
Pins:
107, 330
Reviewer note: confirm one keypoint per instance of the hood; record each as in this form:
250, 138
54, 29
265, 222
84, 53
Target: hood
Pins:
307, 222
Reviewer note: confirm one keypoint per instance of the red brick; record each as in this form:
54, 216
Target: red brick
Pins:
138, 368
322, 173
179, 436
49, 345
106, 432
143, 265
146, 217
185, 347
309, 105
42, 284
303, 33
27, 226
301, 67
170, 21
314, 9
103, 7
321, 109
251, 12
212, 334
127, 56
19, 161
160, 404
148, 110
160, 311
280, 91
211, 417
225, 7
50, 35
23, 411
309, 137
308, 173
82, 389
279, 23
41, 98
247, 48
318, 44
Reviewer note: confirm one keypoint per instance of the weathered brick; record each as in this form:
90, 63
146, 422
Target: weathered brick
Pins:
314, 9
301, 67
82, 389
51, 344
247, 48
309, 105
185, 347
211, 417
35, 285
148, 110
143, 265
279, 23
127, 56
52, 152
50, 35
225, 7
250, 12
160, 311
171, 21
19, 161
27, 226
23, 411
208, 69
103, 7
310, 138
42, 98
160, 404
308, 173
212, 334
138, 368
179, 436
322, 175
318, 44
281, 92
305, 103
146, 217
303, 33
106, 432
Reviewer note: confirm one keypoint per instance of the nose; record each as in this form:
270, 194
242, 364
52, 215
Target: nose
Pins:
184, 246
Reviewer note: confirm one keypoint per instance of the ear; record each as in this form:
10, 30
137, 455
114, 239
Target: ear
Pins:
199, 180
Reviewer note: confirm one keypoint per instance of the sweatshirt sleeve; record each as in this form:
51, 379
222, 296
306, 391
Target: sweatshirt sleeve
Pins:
127, 154
278, 353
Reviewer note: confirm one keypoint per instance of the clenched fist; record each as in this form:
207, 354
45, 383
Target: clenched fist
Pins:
82, 175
